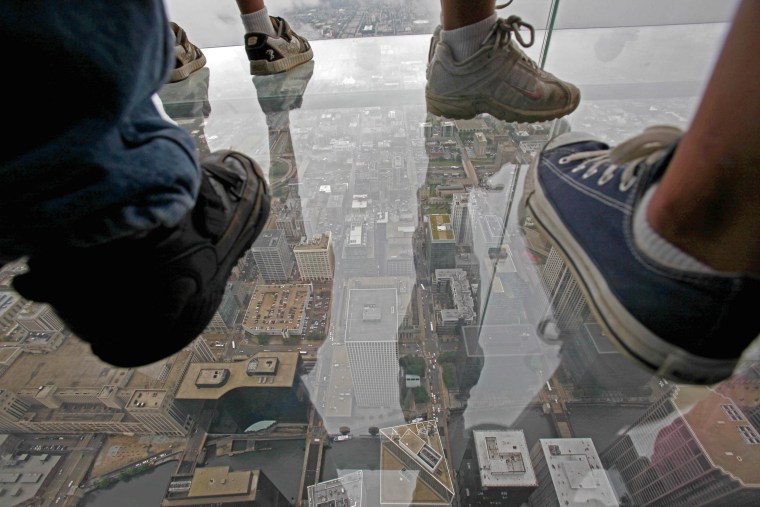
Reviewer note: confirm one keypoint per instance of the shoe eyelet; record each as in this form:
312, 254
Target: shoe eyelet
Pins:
564, 160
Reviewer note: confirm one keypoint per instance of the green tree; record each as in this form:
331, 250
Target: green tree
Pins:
420, 395
413, 365
449, 375
291, 340
447, 357
263, 339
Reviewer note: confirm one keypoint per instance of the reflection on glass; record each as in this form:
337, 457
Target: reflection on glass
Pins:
401, 333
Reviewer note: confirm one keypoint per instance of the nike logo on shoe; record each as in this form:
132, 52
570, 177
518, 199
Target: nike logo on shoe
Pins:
534, 95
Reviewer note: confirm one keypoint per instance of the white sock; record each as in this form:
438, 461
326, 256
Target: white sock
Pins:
465, 42
658, 248
258, 22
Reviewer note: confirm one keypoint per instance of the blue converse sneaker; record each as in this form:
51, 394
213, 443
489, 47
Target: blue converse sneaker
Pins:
685, 326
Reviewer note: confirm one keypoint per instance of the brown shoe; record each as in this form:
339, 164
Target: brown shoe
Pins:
187, 57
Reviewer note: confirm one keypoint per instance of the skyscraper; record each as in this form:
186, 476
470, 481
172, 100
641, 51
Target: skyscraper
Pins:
315, 258
498, 471
441, 243
273, 257
372, 345
693, 447
460, 219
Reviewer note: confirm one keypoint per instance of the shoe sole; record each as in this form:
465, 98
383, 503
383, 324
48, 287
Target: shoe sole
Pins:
182, 73
467, 108
264, 68
631, 337
253, 221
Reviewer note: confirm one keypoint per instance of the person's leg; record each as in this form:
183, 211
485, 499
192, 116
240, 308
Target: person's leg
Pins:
270, 43
255, 17
475, 66
662, 231
117, 219
457, 14
708, 202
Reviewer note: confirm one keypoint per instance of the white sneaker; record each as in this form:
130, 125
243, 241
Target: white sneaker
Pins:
499, 79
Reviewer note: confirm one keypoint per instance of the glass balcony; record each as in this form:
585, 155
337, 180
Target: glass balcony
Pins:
405, 335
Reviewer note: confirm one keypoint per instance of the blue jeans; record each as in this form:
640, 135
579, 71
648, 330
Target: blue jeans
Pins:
88, 158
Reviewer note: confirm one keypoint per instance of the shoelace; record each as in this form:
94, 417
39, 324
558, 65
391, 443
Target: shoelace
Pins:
640, 151
504, 29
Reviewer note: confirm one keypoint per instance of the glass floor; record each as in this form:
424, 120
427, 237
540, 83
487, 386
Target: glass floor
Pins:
381, 342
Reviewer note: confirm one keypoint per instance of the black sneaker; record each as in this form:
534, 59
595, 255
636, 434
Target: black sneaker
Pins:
272, 55
137, 301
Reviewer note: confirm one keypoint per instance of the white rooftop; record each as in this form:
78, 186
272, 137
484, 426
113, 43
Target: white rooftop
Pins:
503, 459
577, 472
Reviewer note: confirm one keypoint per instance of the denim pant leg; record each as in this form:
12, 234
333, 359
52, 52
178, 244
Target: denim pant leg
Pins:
89, 158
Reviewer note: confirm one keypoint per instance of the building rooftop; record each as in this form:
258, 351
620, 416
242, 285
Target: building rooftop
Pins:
285, 371
219, 481
440, 228
372, 315
421, 443
345, 491
317, 243
576, 472
503, 459
268, 239
277, 308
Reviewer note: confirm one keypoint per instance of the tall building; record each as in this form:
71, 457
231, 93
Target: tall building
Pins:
480, 142
454, 291
427, 130
315, 258
10, 306
12, 410
39, 317
159, 413
347, 490
201, 351
460, 218
448, 129
372, 346
568, 305
414, 466
441, 243
496, 470
569, 472
273, 256
694, 446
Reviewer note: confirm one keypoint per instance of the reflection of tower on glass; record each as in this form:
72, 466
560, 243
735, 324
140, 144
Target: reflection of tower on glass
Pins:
372, 346
695, 446
568, 304
186, 102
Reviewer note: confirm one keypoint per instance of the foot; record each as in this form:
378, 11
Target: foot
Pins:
187, 56
499, 79
140, 300
272, 55
686, 326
